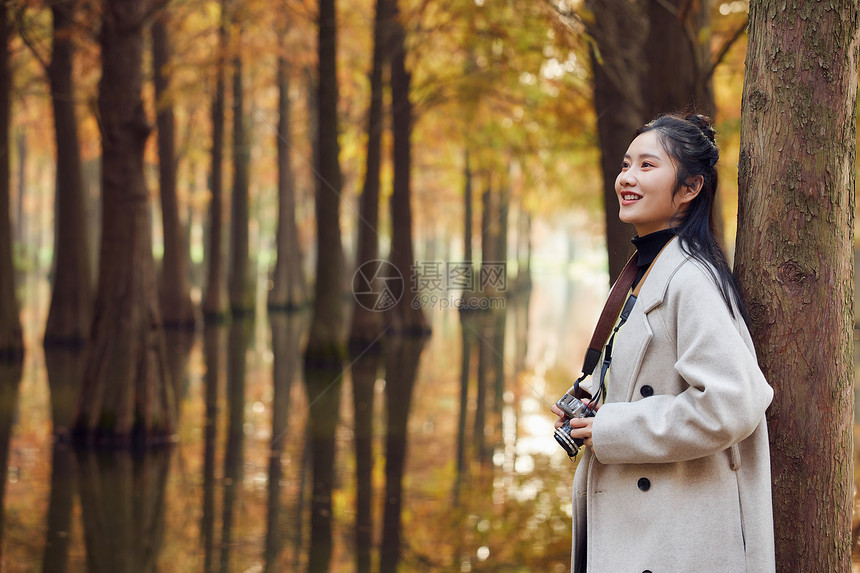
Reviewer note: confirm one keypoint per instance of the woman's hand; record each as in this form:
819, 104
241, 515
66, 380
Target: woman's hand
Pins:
579, 427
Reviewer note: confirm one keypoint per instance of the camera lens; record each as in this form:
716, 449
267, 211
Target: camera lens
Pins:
569, 444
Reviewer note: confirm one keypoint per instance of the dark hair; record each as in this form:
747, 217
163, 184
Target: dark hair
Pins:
691, 142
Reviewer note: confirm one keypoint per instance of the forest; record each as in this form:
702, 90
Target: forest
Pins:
290, 285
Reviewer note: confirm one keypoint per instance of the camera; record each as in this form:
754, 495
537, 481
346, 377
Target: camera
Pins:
572, 407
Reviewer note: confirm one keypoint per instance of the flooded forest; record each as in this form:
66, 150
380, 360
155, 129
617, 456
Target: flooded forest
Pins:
291, 285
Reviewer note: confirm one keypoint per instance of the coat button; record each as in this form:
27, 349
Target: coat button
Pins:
646, 391
644, 484
647, 571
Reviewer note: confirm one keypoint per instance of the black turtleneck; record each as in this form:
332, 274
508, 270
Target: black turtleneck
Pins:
648, 248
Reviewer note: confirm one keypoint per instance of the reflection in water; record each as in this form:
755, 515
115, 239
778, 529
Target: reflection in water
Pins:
467, 335
286, 337
64, 367
323, 382
401, 365
214, 343
364, 369
122, 507
240, 335
240, 496
10, 379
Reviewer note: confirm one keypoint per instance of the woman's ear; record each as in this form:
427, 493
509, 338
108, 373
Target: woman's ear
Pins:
691, 188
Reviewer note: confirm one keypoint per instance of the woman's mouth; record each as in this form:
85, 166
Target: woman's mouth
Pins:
628, 198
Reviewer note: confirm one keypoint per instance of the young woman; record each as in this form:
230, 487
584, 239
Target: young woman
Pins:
675, 476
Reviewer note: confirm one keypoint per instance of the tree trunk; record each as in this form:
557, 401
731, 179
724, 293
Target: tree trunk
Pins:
19, 228
619, 29
215, 301
325, 337
11, 337
794, 261
404, 317
324, 353
240, 283
174, 286
70, 313
677, 50
126, 394
467, 208
489, 233
290, 288
367, 323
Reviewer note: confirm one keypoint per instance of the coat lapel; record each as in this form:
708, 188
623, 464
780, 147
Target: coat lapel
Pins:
635, 336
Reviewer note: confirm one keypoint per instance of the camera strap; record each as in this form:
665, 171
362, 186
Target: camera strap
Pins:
615, 305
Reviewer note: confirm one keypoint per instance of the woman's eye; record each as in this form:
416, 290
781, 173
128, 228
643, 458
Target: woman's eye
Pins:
647, 164
624, 165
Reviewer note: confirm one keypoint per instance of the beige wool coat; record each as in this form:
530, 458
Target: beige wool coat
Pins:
678, 478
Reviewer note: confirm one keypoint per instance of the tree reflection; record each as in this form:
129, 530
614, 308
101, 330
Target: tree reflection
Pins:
240, 334
365, 367
10, 379
467, 333
286, 337
323, 383
122, 505
402, 355
64, 368
214, 342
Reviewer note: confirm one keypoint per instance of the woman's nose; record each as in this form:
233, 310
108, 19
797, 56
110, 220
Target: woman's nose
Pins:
626, 178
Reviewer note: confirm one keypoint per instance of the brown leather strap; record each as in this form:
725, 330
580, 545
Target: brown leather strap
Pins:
613, 305
610, 313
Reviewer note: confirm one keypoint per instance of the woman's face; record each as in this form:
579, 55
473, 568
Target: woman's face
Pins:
646, 185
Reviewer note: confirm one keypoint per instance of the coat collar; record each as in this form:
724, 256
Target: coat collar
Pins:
663, 268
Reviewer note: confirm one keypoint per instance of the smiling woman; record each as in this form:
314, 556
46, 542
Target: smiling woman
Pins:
676, 472
646, 186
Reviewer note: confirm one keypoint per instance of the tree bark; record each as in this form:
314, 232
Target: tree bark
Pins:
404, 317
215, 301
11, 336
290, 288
794, 261
174, 286
619, 29
126, 395
240, 283
70, 313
